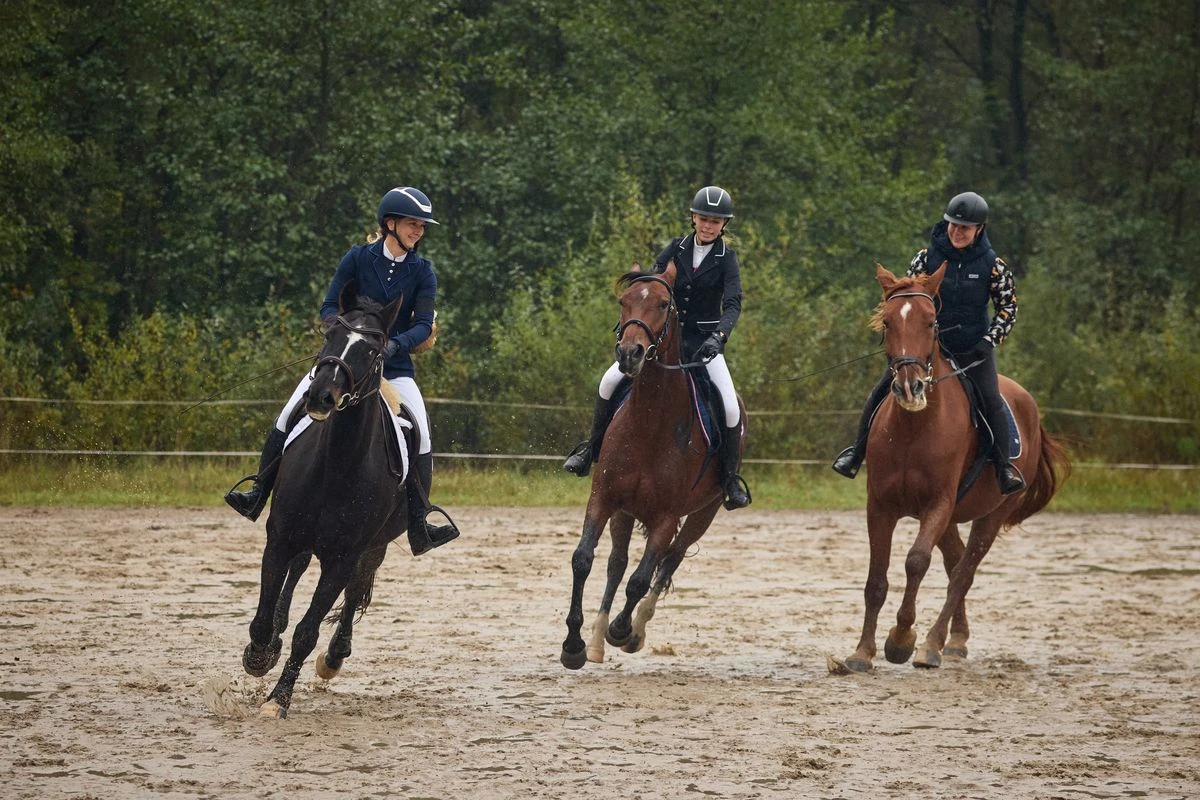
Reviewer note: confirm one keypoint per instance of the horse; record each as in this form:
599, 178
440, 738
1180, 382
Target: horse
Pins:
653, 468
922, 444
338, 497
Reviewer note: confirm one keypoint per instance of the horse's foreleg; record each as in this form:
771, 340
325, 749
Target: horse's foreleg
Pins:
880, 525
574, 651
620, 631
265, 644
951, 546
304, 639
620, 530
983, 534
295, 572
902, 639
357, 594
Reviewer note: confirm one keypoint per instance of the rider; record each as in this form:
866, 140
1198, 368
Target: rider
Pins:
386, 266
974, 276
708, 296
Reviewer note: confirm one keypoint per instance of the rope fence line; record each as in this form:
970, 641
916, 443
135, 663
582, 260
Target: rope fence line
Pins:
516, 457
550, 407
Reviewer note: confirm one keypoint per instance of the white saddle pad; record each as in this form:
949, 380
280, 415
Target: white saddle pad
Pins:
399, 423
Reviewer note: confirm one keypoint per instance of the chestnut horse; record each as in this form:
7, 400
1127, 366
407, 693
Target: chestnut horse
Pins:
653, 468
338, 497
921, 445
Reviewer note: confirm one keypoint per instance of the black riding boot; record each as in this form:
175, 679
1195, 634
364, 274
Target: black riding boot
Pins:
423, 537
579, 462
849, 460
737, 493
251, 502
1009, 476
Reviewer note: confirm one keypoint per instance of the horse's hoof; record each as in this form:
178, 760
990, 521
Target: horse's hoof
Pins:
258, 662
573, 660
634, 644
272, 710
956, 651
930, 659
617, 638
326, 670
895, 653
595, 655
856, 664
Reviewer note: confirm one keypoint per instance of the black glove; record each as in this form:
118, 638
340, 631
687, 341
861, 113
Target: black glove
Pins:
982, 349
711, 347
390, 349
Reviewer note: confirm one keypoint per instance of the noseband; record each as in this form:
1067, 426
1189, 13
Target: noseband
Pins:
897, 363
652, 350
356, 393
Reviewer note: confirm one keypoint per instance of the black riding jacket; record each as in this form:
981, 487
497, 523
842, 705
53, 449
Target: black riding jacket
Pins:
709, 299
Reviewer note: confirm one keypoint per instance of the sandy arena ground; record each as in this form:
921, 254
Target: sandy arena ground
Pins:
124, 629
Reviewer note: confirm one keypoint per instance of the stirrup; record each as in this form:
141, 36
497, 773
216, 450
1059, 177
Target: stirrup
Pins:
579, 460
431, 536
1012, 482
847, 462
250, 503
736, 482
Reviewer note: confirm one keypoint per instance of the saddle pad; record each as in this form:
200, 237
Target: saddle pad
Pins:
1014, 433
400, 424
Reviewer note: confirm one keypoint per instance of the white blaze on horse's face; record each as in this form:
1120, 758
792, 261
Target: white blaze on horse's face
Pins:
645, 292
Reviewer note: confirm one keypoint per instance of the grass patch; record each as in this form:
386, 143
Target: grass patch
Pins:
146, 481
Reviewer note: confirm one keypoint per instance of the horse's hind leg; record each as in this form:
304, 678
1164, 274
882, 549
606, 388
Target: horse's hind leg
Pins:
265, 644
693, 528
304, 639
951, 545
983, 534
357, 596
574, 651
659, 536
620, 531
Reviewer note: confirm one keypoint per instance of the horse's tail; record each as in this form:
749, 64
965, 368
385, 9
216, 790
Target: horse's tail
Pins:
336, 614
1053, 468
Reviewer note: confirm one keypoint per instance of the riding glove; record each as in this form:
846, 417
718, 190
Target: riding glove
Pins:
390, 349
982, 349
711, 347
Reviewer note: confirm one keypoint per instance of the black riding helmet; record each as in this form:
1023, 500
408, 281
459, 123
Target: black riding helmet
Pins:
967, 208
713, 201
405, 201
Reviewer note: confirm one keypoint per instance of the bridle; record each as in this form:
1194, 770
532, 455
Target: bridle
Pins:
356, 394
657, 340
897, 363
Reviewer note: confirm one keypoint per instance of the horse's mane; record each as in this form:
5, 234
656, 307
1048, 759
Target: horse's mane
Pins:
902, 284
366, 305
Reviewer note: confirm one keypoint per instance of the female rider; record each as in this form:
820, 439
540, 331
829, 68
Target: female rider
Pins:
708, 296
386, 266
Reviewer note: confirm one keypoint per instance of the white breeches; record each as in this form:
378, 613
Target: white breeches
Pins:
409, 394
718, 373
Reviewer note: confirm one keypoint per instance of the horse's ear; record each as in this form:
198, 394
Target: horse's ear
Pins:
348, 297
388, 313
934, 281
886, 279
635, 267
669, 273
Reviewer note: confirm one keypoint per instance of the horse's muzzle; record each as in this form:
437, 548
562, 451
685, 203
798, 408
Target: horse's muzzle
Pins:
910, 393
631, 359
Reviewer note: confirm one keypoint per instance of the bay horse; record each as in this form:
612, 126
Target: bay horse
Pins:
922, 443
338, 497
653, 468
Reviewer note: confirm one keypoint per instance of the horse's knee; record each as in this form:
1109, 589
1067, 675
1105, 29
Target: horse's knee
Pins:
917, 562
581, 560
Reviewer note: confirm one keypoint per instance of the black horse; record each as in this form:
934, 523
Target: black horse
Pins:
338, 497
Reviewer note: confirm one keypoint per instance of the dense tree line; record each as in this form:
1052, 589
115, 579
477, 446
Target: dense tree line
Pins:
181, 176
